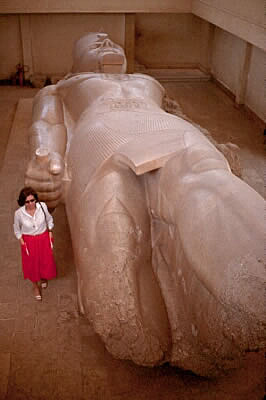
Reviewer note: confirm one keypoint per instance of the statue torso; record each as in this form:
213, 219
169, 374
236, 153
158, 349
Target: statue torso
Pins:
108, 111
96, 93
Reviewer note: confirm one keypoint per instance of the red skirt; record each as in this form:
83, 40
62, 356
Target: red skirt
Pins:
38, 262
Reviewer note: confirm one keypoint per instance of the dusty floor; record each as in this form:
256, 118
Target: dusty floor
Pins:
47, 350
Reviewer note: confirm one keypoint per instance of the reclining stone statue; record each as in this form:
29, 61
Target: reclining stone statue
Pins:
167, 242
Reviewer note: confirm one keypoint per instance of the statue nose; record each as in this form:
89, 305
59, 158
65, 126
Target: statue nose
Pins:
107, 43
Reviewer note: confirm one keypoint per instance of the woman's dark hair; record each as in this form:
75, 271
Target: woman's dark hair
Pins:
24, 193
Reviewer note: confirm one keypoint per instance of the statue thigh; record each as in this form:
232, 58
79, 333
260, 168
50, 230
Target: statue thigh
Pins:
112, 247
202, 255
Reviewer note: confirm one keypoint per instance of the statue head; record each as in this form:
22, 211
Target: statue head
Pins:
95, 52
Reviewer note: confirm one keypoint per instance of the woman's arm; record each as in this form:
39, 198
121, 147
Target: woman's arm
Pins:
49, 218
50, 224
17, 229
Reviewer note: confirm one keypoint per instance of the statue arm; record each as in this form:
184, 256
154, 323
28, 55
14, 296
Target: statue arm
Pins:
47, 136
48, 129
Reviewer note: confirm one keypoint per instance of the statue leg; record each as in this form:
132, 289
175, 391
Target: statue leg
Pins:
207, 243
110, 230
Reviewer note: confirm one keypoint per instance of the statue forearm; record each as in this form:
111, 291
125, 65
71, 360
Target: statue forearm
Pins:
48, 129
50, 136
48, 141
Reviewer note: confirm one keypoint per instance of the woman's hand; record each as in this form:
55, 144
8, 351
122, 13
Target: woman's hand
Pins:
51, 239
23, 244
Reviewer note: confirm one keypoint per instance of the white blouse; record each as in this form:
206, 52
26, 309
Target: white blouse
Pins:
27, 224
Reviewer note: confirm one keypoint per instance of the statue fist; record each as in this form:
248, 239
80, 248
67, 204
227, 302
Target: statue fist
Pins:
44, 173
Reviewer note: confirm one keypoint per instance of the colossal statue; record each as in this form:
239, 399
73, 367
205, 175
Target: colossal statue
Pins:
168, 243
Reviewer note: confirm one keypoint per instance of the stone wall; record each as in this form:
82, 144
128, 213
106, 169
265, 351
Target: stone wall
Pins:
92, 6
243, 18
256, 86
221, 37
168, 40
227, 54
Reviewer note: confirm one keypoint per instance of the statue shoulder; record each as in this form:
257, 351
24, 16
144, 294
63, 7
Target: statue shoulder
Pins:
150, 86
49, 90
71, 80
147, 79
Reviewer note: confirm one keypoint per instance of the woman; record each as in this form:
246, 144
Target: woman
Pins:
33, 228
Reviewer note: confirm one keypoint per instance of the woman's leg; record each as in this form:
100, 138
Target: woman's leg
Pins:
44, 283
36, 291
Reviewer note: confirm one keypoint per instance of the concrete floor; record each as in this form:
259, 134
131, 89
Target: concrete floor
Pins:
47, 350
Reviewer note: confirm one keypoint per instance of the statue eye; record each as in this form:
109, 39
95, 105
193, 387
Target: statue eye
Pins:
94, 46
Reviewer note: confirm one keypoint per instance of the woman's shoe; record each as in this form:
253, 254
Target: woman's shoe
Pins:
44, 284
37, 294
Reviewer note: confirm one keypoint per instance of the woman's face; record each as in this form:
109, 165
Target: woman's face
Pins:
30, 202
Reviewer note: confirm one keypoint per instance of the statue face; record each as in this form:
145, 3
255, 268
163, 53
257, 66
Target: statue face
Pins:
95, 52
